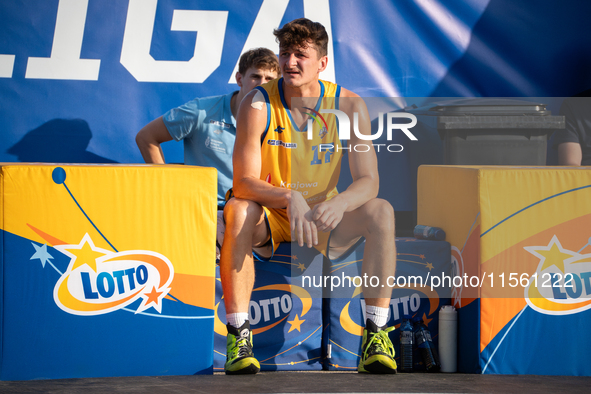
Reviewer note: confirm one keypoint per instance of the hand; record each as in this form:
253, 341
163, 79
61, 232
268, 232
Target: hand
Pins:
300, 221
327, 215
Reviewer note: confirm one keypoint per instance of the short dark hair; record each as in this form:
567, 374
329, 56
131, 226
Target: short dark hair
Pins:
261, 58
299, 32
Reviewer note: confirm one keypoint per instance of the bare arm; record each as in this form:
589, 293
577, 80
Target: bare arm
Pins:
363, 167
250, 125
149, 138
570, 154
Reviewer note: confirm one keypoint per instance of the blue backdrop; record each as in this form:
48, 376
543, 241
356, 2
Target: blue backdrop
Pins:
79, 78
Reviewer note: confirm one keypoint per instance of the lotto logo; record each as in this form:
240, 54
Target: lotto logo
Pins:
99, 281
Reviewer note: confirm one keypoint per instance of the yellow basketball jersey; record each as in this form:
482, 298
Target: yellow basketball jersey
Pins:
289, 158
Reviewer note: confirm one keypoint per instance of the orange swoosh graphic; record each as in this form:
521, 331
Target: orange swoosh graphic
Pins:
263, 329
348, 324
218, 327
536, 299
53, 241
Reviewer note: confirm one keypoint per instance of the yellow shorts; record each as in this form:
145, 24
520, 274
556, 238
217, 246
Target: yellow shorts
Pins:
278, 226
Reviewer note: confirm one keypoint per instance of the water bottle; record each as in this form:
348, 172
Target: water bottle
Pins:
429, 233
448, 340
426, 347
406, 342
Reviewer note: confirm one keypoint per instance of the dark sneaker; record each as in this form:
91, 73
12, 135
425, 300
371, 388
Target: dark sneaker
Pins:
239, 356
377, 351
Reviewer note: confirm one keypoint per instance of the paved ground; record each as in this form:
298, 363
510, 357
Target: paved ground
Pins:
310, 382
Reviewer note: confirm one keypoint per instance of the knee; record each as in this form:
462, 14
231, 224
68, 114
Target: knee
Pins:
381, 215
242, 211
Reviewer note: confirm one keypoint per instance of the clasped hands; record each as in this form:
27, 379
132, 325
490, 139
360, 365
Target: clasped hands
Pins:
305, 222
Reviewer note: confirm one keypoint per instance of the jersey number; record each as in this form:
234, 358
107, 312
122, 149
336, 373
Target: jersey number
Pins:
327, 155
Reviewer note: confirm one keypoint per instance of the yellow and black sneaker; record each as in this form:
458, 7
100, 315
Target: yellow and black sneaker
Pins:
239, 356
377, 351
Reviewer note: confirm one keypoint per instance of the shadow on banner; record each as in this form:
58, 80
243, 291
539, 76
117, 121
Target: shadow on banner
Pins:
57, 141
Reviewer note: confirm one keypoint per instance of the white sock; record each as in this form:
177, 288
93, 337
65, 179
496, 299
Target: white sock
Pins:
377, 314
236, 319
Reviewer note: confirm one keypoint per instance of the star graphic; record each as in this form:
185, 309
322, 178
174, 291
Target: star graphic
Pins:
153, 299
153, 296
302, 267
422, 256
41, 254
430, 266
296, 324
83, 253
553, 254
426, 320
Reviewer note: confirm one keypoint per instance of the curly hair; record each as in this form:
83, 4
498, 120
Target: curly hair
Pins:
300, 32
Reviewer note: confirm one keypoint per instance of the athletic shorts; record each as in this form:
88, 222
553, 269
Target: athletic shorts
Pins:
278, 226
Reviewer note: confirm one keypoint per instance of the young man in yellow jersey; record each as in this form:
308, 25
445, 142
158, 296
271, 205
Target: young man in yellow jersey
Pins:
285, 189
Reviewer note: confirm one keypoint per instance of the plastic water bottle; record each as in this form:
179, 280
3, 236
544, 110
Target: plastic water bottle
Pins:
429, 233
426, 347
406, 342
448, 338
